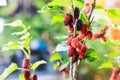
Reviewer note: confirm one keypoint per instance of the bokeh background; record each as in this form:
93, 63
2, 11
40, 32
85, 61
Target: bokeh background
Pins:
45, 35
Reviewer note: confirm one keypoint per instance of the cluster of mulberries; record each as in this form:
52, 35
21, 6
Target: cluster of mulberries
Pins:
26, 70
77, 48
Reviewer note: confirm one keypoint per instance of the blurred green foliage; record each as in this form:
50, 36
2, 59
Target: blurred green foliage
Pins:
51, 21
39, 23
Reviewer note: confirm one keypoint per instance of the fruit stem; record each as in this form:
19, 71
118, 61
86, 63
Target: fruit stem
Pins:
23, 69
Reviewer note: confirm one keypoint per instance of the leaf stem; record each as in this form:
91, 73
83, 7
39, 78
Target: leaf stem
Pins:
26, 53
23, 69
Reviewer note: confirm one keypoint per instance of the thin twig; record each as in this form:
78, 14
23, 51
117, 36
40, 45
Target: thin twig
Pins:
22, 69
91, 20
78, 67
72, 5
71, 69
70, 74
75, 28
72, 10
26, 54
93, 6
71, 64
78, 63
76, 71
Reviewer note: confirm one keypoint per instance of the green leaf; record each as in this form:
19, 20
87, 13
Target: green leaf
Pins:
27, 42
25, 36
15, 23
9, 70
38, 63
59, 3
106, 65
12, 45
1, 78
55, 57
18, 33
99, 7
65, 3
113, 54
49, 9
56, 5
21, 77
83, 18
78, 3
57, 18
22, 32
55, 66
112, 42
91, 55
65, 63
113, 13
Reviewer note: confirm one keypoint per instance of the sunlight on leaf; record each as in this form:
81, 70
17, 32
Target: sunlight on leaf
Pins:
27, 42
112, 42
25, 36
83, 18
113, 54
15, 23
55, 66
49, 9
113, 13
1, 78
99, 7
44, 9
21, 77
12, 45
55, 57
9, 70
60, 3
37, 64
22, 32
106, 65
57, 18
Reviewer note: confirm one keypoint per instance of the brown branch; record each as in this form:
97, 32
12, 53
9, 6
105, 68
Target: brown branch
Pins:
78, 67
72, 10
91, 20
74, 66
71, 70
93, 6
75, 28
71, 64
72, 4
74, 21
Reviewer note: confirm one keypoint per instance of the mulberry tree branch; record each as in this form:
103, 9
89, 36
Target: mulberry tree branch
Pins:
93, 6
